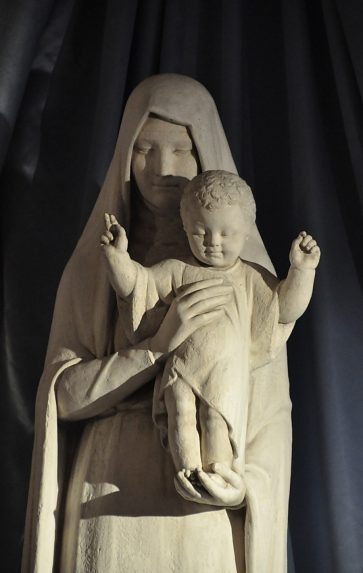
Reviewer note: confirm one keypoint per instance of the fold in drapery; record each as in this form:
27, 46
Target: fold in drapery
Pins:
288, 84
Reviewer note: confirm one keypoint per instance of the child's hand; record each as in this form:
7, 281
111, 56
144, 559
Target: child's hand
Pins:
304, 253
114, 240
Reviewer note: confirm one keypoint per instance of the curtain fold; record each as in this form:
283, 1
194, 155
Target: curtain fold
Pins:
21, 26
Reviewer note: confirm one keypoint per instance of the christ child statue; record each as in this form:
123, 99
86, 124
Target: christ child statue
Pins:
201, 397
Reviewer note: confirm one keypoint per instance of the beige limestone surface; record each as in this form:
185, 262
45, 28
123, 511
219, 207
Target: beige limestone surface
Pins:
102, 495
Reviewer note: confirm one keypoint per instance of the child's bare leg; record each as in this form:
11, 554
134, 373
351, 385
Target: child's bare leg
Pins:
183, 435
215, 442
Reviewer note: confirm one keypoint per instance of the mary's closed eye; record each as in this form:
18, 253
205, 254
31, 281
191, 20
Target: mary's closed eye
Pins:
143, 149
182, 150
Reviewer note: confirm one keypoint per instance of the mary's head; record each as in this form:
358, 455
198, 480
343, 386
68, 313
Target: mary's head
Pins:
164, 159
170, 131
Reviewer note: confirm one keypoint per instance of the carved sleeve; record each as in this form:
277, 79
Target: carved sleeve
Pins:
268, 335
143, 312
91, 387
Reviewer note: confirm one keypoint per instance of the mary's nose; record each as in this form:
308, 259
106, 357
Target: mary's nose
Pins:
163, 163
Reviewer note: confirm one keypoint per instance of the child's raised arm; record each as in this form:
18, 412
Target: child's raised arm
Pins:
295, 291
121, 269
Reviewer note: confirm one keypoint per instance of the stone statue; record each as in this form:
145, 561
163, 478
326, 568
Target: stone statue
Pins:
205, 382
102, 495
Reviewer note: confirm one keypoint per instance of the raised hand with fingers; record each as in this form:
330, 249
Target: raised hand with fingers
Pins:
304, 253
121, 269
114, 239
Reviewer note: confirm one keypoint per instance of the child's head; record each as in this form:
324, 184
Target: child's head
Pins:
218, 210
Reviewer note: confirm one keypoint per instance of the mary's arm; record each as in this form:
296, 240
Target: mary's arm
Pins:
91, 387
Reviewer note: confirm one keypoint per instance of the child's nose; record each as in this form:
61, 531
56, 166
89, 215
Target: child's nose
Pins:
214, 239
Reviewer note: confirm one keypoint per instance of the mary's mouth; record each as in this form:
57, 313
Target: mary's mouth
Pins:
169, 182
166, 185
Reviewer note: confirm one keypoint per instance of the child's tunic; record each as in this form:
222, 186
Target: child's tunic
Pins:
217, 359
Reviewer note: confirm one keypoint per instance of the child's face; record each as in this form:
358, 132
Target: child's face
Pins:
216, 237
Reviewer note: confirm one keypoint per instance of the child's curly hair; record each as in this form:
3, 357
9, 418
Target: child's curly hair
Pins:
215, 189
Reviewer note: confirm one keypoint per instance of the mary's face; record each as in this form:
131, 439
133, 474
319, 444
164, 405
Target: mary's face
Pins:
164, 159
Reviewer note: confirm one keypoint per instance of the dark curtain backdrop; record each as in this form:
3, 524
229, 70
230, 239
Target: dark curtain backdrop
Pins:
287, 78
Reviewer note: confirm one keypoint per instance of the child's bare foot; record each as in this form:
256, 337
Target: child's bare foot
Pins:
216, 478
192, 476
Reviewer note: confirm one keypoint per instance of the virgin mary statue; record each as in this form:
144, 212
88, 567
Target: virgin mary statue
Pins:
102, 495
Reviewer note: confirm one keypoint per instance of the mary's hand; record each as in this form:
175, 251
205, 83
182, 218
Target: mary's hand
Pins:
199, 304
226, 489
